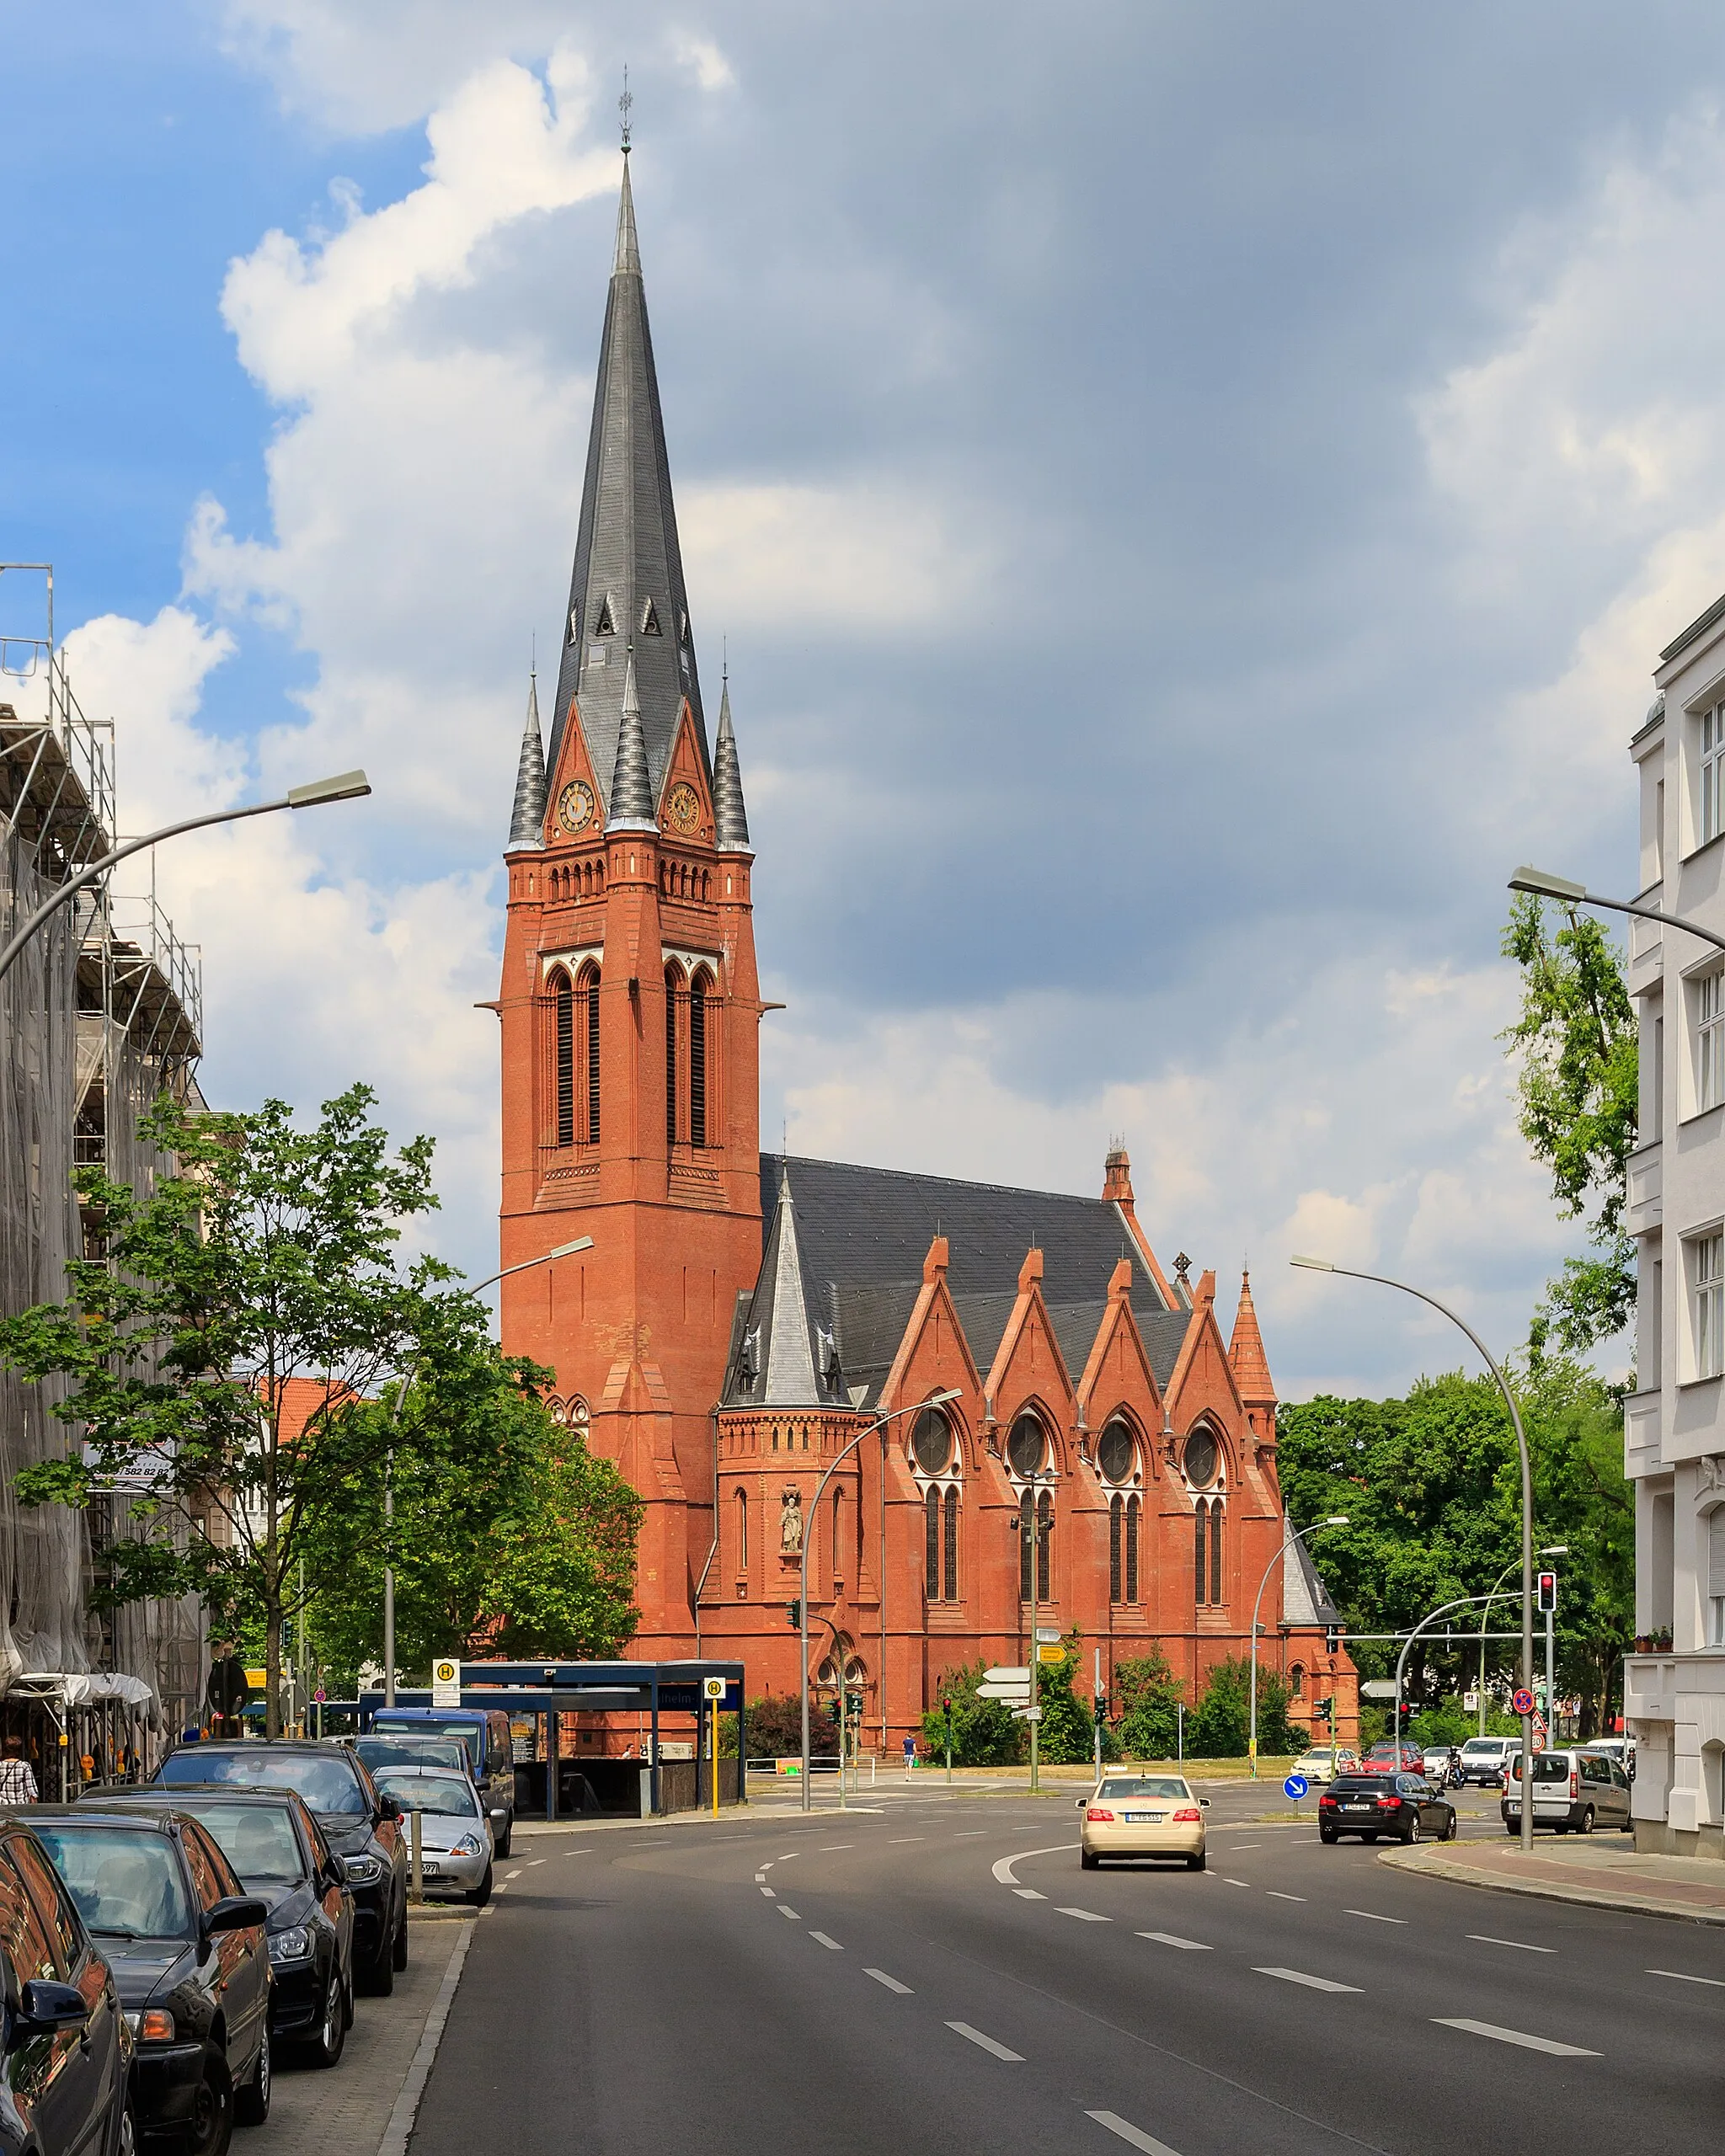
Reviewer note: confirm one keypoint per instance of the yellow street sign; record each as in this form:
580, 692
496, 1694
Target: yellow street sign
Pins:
1050, 1654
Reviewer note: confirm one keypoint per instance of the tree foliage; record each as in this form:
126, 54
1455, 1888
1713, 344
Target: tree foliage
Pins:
984, 1731
1146, 1701
776, 1728
1579, 1090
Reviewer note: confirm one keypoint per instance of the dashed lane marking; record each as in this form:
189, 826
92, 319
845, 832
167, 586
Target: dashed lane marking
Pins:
1299, 1977
1239, 1846
987, 2043
1129, 2133
968, 1833
761, 1879
1276, 1895
892, 1983
1485, 1939
824, 1940
1683, 1977
769, 1893
1373, 1916
516, 1873
1028, 1894
786, 1911
1236, 1882
1515, 2036
1085, 1916
532, 1860
826, 1849
1173, 1938
897, 1838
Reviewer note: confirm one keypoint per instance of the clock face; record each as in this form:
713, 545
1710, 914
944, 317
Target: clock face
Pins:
575, 806
682, 809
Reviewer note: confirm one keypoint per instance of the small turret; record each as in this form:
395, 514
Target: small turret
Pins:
730, 817
631, 808
526, 824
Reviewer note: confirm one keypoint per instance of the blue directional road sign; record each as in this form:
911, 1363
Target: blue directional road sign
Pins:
1295, 1786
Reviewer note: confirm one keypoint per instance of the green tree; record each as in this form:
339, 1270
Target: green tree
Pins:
1147, 1698
776, 1728
984, 1731
1218, 1727
1065, 1736
218, 1347
1579, 1090
509, 1537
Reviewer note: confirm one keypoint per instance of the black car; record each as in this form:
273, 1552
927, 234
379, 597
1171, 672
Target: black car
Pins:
361, 1827
1403, 1806
186, 1945
66, 2060
278, 1852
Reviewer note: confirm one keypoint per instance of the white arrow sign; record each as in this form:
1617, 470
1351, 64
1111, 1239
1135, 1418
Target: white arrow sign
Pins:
1026, 1714
1020, 1676
1018, 1693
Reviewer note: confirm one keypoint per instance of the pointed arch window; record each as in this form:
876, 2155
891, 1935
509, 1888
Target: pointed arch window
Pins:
931, 1565
1117, 1555
697, 1057
563, 1056
590, 993
1026, 1539
1044, 1542
1133, 1516
1216, 1594
742, 1530
1200, 1522
673, 985
649, 621
606, 625
950, 1545
838, 1528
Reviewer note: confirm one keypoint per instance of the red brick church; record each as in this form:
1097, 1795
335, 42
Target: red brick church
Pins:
1109, 1458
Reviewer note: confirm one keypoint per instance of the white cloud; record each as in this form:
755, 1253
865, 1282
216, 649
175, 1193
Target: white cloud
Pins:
703, 58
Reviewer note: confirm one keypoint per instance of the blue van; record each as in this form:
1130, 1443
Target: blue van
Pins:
485, 1732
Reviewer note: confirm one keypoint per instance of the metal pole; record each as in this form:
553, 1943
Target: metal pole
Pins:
1551, 1687
1484, 1618
1468, 1602
1461, 1324
1035, 1644
1095, 1695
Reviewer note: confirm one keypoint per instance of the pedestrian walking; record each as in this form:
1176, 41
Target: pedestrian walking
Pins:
910, 1753
227, 1691
18, 1780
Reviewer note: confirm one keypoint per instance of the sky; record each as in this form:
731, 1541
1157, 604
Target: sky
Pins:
1191, 496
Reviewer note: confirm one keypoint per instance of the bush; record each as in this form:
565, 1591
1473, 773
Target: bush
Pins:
776, 1728
1066, 1735
1147, 1695
984, 1731
1222, 1723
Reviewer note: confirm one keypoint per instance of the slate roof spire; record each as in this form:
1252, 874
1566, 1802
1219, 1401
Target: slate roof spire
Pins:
628, 580
785, 1358
730, 817
631, 792
526, 825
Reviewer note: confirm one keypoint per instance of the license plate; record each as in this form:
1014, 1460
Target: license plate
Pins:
429, 1867
1145, 1819
1359, 1807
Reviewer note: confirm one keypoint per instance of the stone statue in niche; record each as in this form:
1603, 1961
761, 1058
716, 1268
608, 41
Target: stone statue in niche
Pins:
790, 1524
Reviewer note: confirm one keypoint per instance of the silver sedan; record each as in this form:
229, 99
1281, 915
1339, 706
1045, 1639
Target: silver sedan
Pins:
455, 1833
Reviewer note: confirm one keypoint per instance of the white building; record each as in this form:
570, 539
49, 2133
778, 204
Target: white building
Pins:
1674, 1425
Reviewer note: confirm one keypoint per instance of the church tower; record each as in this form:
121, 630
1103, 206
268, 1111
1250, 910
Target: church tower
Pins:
630, 1008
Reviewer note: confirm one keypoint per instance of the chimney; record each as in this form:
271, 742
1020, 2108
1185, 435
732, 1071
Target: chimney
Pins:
1117, 1177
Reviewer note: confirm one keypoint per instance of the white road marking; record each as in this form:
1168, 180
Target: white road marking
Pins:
967, 1833
1374, 1916
1028, 1894
1003, 1868
1129, 2133
1086, 1916
1236, 1882
504, 1888
892, 1983
1299, 1977
1718, 1983
896, 1838
769, 1893
1276, 1895
1238, 1846
789, 1855
825, 1941
1485, 1939
761, 1879
826, 1849
516, 1873
988, 2043
1516, 2036
785, 1910
1173, 1938
532, 1860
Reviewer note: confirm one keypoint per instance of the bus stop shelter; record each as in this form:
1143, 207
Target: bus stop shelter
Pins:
661, 1696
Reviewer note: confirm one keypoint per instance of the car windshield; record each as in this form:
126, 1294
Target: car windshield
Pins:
127, 1884
326, 1779
464, 1734
1364, 1783
1547, 1766
422, 1792
406, 1751
1168, 1785
257, 1840
1477, 1744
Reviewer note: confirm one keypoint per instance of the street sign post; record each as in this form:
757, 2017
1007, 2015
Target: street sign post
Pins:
713, 1688
1026, 1714
446, 1682
1295, 1786
1521, 1700
1045, 1653
1047, 1636
1012, 1685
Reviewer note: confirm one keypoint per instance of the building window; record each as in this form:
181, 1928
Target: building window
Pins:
1296, 1680
1045, 1535
931, 1564
1024, 1546
1117, 1553
931, 1442
950, 1546
673, 982
1134, 1511
563, 1006
1709, 992
1710, 819
742, 1530
1217, 1595
838, 1531
1116, 1455
698, 1060
1709, 1305
1199, 1547
1716, 1577
1026, 1447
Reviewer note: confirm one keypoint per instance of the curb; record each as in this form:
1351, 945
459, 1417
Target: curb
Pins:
407, 2104
1433, 1867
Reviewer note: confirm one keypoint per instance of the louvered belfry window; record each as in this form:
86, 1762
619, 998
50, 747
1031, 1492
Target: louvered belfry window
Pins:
931, 1507
1025, 1540
1134, 1510
590, 989
1199, 1522
951, 1546
1117, 1528
672, 982
562, 1020
698, 1061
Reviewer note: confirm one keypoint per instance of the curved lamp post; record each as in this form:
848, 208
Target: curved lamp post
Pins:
544, 1257
1335, 1520
349, 786
1382, 1280
1543, 885
914, 1407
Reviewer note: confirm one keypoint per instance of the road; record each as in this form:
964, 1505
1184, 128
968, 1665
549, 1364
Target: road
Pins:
939, 1975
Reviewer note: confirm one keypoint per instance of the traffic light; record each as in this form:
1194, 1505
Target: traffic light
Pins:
794, 1610
1333, 1638
1102, 1707
1546, 1596
1407, 1716
1324, 1711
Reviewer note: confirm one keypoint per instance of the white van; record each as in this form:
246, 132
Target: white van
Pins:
1483, 1757
1572, 1792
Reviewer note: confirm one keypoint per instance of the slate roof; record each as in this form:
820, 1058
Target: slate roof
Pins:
861, 1234
628, 569
1306, 1600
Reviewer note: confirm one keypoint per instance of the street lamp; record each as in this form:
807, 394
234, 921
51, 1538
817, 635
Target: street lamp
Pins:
1347, 1273
1335, 1520
914, 1407
349, 786
544, 1257
1544, 885
1551, 1549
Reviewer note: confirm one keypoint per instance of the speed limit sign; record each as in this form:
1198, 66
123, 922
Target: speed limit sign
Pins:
714, 1687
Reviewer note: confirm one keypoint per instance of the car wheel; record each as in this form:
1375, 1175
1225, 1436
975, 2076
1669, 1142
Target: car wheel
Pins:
1410, 1832
1086, 1862
400, 1949
209, 2129
509, 1828
1196, 1863
1584, 1825
1453, 1826
126, 2141
327, 2045
481, 1894
251, 2103
1327, 1834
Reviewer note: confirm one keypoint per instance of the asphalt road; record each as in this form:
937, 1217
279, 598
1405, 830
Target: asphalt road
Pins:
939, 1975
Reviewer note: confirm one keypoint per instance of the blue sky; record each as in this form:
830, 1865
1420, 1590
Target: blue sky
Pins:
1193, 494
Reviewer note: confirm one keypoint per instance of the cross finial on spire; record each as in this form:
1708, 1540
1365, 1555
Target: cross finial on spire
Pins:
625, 105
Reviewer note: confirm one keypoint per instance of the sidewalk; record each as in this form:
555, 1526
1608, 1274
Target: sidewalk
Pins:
1603, 1872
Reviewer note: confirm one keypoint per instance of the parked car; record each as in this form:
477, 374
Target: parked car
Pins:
1403, 1806
485, 1732
1573, 1792
66, 2067
399, 1749
361, 1826
1483, 1758
1620, 1748
1317, 1766
455, 1834
186, 1945
279, 1853
1142, 1815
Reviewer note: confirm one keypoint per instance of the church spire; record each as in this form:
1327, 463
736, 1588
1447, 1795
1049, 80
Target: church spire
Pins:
631, 792
1246, 1357
526, 825
628, 582
730, 817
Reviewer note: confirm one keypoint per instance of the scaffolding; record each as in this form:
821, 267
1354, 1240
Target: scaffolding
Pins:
103, 1012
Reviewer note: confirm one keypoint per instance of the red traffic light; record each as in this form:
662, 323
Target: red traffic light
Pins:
1545, 1592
